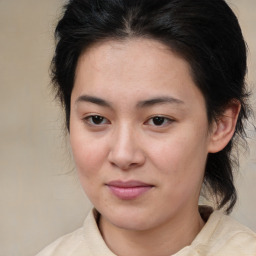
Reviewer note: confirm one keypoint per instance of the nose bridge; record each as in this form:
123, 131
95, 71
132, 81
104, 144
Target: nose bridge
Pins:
124, 140
125, 149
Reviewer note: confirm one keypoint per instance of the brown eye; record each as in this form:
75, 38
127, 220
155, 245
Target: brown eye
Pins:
159, 121
96, 120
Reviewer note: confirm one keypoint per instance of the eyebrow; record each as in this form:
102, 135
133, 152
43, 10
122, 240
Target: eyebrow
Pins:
95, 100
140, 104
158, 100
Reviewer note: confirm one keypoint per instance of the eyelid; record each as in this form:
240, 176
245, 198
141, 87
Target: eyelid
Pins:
168, 120
87, 118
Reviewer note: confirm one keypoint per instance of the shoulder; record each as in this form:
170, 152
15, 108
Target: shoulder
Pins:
64, 245
86, 240
223, 235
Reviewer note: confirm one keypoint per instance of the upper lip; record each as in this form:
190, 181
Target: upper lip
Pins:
128, 184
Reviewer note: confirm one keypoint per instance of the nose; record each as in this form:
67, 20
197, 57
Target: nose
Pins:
126, 152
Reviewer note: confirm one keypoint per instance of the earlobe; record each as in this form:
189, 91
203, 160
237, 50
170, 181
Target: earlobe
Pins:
224, 128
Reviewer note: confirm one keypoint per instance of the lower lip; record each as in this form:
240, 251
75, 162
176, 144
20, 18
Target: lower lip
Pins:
129, 193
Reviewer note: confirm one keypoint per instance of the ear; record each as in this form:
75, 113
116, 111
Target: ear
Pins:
224, 128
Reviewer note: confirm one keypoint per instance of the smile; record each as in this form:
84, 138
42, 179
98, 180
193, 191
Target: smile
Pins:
128, 190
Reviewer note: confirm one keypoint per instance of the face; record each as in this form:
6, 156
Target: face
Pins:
139, 133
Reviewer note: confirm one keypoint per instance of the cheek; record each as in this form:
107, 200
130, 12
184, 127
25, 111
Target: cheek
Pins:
181, 158
178, 152
181, 170
89, 158
88, 153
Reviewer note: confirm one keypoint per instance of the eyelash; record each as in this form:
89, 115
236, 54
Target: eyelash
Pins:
88, 120
164, 121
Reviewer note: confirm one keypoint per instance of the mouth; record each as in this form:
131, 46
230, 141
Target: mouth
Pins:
128, 190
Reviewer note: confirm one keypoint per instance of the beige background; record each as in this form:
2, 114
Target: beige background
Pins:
40, 197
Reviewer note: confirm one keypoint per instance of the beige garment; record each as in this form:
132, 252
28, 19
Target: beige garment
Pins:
220, 236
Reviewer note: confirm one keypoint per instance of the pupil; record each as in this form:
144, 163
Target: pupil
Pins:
97, 119
158, 120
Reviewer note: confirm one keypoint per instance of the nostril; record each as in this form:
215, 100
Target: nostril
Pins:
125, 151
126, 161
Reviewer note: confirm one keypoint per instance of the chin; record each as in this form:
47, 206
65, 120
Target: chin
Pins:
131, 224
130, 219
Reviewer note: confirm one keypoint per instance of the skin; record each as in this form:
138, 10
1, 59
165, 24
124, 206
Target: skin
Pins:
127, 144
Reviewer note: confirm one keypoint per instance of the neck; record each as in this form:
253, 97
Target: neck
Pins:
162, 240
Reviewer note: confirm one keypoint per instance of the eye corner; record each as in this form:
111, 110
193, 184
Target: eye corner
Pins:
95, 120
159, 121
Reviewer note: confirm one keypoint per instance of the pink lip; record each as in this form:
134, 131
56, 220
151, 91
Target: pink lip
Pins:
128, 190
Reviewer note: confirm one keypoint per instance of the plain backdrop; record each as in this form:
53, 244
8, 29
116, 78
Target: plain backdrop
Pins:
40, 195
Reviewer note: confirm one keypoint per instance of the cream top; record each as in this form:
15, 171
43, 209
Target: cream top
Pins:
220, 236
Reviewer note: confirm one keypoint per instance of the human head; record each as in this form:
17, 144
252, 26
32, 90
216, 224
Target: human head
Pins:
205, 33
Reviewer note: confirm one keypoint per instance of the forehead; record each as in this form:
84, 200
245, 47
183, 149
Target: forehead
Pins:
134, 52
134, 68
134, 58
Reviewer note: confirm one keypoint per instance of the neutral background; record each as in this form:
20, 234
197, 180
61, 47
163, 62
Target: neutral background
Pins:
40, 196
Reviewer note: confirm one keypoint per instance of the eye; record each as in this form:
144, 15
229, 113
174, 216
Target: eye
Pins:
159, 121
96, 120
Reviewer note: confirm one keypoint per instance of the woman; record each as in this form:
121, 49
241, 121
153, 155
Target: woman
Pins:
155, 97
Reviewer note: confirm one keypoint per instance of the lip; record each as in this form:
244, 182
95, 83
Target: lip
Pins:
128, 190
